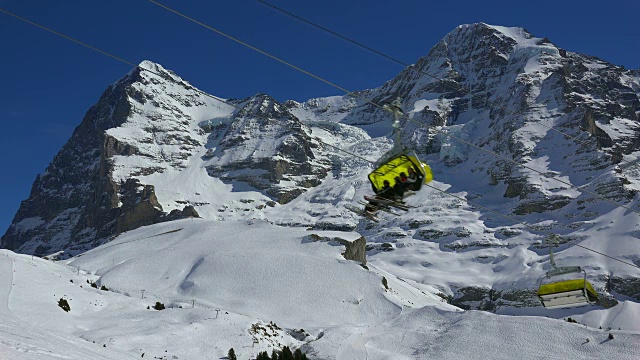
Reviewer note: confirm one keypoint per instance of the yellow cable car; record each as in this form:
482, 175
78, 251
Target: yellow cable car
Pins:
567, 292
391, 167
396, 175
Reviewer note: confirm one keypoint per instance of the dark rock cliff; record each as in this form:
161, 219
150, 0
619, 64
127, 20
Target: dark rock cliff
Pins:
76, 203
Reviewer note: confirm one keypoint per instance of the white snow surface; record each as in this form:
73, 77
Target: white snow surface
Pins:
257, 273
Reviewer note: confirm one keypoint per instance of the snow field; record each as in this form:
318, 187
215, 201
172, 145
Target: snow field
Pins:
255, 272
247, 267
32, 326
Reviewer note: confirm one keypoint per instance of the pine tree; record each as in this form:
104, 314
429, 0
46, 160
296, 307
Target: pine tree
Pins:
274, 355
286, 354
297, 355
231, 355
64, 304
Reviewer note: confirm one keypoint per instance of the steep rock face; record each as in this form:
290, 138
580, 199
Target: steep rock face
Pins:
78, 201
66, 199
268, 148
144, 139
520, 87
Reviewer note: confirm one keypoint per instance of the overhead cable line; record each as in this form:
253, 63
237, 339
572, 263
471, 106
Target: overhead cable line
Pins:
160, 75
324, 143
68, 37
414, 68
349, 40
350, 93
248, 45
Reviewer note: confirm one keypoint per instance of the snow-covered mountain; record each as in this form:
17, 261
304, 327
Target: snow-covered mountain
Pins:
154, 149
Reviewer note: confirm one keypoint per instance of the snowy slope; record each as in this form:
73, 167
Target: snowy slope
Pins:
245, 266
22, 335
277, 277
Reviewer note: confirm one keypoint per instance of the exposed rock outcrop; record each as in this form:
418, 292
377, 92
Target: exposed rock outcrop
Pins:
77, 204
354, 250
268, 148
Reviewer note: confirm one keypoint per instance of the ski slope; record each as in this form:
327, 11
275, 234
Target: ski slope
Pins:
22, 335
256, 273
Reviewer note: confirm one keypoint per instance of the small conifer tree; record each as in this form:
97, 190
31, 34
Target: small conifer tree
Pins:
64, 304
231, 355
274, 355
286, 354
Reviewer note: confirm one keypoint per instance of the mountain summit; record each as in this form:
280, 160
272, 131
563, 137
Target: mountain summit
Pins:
507, 120
152, 132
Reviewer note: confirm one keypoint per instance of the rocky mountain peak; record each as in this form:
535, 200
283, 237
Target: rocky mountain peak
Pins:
160, 71
267, 147
86, 194
120, 168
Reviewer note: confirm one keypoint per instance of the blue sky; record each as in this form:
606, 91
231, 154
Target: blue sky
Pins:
49, 82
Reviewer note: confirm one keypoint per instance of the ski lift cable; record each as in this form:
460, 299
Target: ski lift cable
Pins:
160, 75
404, 116
414, 68
349, 40
68, 38
332, 146
250, 46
